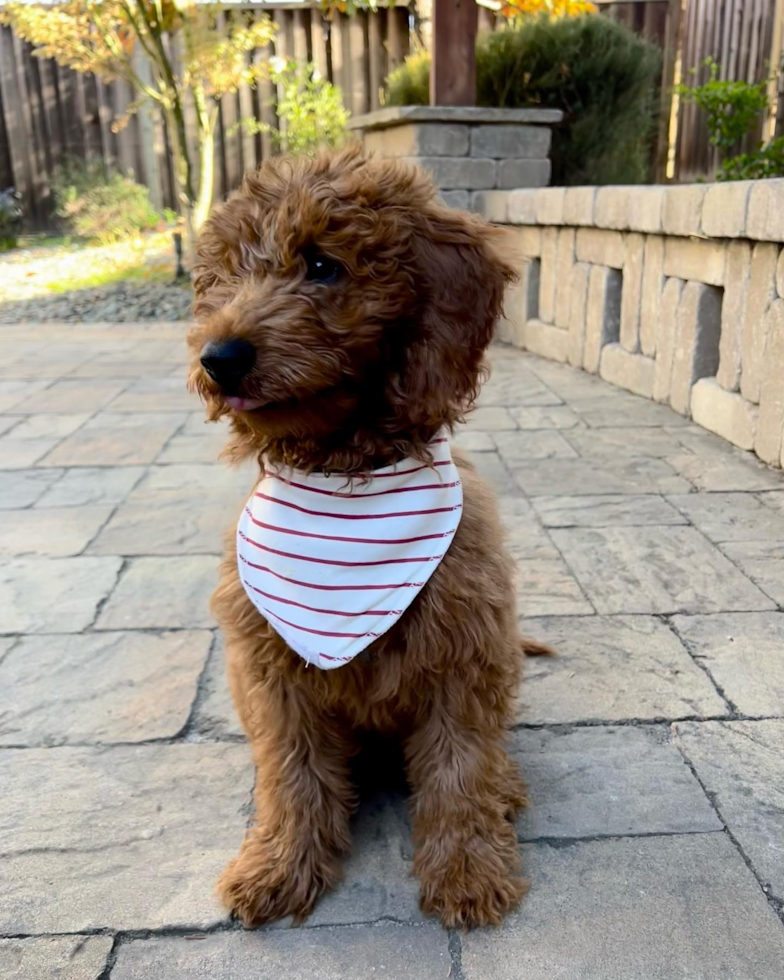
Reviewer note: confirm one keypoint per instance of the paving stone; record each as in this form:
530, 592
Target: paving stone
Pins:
55, 957
615, 412
49, 426
458, 173
644, 209
161, 593
214, 714
136, 840
611, 510
545, 417
197, 425
534, 444
520, 206
742, 652
204, 448
612, 669
57, 595
7, 422
642, 909
518, 388
352, 953
155, 395
491, 467
739, 763
655, 570
100, 687
430, 140
116, 439
85, 485
629, 441
726, 471
491, 418
524, 536
71, 395
58, 532
377, 879
599, 475
18, 454
546, 587
731, 516
726, 413
180, 523
18, 395
473, 442
21, 488
764, 218
762, 562
597, 782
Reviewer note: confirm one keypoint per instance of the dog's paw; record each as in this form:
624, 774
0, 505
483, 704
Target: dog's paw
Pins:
257, 887
470, 892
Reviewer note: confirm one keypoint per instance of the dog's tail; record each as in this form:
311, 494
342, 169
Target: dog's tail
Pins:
531, 648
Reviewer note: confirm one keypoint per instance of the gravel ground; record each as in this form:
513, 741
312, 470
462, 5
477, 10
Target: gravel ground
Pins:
34, 283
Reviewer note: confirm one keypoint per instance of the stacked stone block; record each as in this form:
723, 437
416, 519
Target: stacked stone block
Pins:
467, 150
673, 293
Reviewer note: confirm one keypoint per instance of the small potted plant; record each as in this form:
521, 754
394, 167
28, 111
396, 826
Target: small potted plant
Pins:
10, 218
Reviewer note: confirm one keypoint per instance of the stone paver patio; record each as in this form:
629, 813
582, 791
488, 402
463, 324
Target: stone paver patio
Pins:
650, 553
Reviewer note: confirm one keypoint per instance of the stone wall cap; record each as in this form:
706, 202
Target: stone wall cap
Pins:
399, 115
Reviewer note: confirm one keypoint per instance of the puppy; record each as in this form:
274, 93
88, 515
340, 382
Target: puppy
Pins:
343, 313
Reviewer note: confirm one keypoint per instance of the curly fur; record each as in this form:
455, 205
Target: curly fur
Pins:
354, 375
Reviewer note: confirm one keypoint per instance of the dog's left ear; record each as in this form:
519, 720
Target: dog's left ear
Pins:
461, 278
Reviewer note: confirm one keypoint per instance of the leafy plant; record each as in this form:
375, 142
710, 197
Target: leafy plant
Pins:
98, 202
10, 218
598, 72
192, 48
553, 8
732, 110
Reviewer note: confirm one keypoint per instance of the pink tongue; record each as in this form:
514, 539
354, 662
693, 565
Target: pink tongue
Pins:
242, 404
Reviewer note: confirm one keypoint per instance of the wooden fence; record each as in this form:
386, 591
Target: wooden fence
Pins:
48, 112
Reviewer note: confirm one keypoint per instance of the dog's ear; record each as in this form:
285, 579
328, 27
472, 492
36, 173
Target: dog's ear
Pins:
461, 278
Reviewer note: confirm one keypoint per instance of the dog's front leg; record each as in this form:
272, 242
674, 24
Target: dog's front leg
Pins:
303, 803
465, 789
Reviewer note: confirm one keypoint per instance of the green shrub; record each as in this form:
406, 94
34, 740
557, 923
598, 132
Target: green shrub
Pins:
96, 201
732, 110
598, 72
409, 83
10, 218
310, 108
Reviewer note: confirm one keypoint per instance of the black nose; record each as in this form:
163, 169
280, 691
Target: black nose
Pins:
228, 361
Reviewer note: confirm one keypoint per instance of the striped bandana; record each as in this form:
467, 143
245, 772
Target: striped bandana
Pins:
332, 564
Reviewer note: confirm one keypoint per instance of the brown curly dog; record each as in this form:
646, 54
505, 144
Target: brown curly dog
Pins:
343, 313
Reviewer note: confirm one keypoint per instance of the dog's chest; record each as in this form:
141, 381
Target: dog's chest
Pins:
333, 564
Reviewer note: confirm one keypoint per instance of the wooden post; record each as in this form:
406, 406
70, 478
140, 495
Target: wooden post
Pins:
769, 126
668, 105
453, 68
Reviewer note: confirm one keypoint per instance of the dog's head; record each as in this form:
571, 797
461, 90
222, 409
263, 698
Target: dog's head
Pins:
340, 304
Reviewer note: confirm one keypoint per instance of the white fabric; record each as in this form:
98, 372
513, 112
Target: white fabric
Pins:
332, 563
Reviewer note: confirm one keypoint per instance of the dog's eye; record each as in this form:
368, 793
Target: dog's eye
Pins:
321, 268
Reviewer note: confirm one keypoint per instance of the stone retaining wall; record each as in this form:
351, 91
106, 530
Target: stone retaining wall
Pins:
466, 149
674, 293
